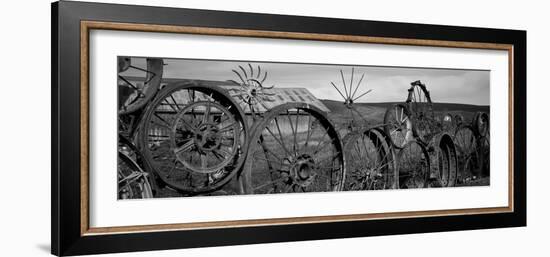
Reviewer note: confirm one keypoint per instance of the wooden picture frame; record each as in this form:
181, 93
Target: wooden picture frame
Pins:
71, 26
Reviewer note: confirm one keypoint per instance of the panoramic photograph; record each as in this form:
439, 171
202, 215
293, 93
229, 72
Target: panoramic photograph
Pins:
193, 127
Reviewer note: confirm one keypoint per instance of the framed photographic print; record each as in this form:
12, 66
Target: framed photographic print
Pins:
178, 128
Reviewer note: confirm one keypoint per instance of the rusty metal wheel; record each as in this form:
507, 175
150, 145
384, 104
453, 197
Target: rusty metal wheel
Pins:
414, 165
421, 112
194, 137
295, 148
444, 162
481, 124
485, 155
468, 153
371, 162
133, 182
398, 125
137, 82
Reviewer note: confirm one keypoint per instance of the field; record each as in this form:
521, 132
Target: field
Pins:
374, 112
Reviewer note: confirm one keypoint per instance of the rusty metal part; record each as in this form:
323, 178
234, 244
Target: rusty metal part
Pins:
357, 121
162, 134
134, 95
205, 137
371, 162
420, 106
294, 148
414, 165
398, 125
468, 153
251, 86
481, 124
444, 162
133, 181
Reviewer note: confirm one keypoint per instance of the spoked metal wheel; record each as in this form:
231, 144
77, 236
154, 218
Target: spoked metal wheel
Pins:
138, 81
444, 162
371, 163
468, 153
205, 137
194, 137
421, 110
133, 182
414, 166
398, 125
481, 124
294, 148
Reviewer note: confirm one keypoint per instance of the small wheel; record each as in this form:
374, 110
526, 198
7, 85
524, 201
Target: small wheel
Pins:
371, 163
137, 83
294, 148
398, 125
468, 153
414, 166
421, 112
133, 182
481, 124
448, 123
194, 137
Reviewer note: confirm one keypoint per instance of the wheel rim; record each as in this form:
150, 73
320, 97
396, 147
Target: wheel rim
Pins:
467, 151
294, 149
420, 105
164, 137
133, 95
133, 182
414, 166
485, 155
482, 124
398, 125
205, 137
370, 162
445, 161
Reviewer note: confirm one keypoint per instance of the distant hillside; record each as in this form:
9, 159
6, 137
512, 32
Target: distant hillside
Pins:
374, 112
438, 107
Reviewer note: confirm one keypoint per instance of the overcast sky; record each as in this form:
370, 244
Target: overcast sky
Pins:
388, 84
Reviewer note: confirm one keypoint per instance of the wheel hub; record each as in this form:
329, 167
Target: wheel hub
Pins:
207, 138
303, 170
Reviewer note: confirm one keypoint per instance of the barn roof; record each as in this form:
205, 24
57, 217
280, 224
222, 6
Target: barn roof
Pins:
276, 96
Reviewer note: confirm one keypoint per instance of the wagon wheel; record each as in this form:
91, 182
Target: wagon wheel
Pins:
133, 182
398, 125
421, 110
414, 166
294, 148
194, 137
445, 164
468, 153
481, 124
133, 95
484, 155
371, 163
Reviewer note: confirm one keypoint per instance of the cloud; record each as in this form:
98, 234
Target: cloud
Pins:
389, 84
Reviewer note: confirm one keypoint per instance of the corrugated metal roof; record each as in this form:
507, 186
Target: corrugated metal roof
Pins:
275, 96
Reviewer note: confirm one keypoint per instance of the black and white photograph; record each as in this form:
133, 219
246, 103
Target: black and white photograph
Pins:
194, 127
